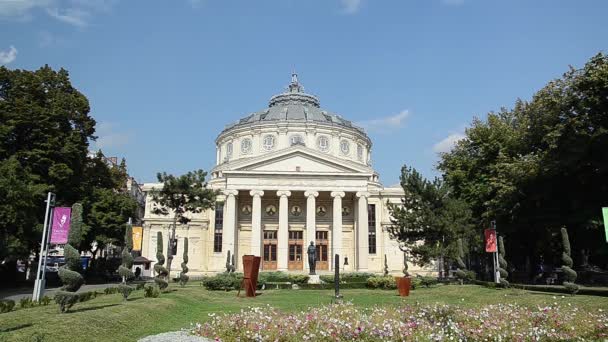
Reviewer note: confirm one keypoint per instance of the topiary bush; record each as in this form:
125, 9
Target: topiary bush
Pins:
223, 281
151, 292
183, 277
569, 273
502, 263
382, 282
461, 272
26, 302
161, 271
348, 278
46, 300
124, 270
6, 305
70, 272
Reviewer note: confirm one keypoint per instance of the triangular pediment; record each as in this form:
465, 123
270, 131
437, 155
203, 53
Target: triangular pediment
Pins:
299, 159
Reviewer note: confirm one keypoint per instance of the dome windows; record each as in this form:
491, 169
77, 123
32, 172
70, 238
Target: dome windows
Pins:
344, 147
268, 142
360, 152
323, 143
229, 150
246, 146
296, 139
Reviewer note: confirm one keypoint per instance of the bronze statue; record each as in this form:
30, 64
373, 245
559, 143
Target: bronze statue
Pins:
312, 258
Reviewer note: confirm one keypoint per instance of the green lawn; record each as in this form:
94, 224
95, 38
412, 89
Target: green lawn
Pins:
108, 318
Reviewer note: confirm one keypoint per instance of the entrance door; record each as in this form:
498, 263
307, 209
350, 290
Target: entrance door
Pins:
270, 250
321, 245
295, 262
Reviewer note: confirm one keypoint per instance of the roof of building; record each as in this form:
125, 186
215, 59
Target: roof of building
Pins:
294, 105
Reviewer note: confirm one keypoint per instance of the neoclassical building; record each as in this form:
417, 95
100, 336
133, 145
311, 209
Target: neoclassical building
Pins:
288, 175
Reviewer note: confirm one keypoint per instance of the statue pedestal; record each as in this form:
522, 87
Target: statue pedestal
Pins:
314, 279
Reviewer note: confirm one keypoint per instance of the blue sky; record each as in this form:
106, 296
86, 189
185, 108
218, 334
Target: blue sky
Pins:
164, 77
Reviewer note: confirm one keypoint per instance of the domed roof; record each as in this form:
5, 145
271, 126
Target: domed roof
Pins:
294, 105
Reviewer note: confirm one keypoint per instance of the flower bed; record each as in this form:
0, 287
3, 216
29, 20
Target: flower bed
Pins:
505, 322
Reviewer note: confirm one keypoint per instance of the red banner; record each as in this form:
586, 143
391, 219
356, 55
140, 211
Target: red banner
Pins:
490, 235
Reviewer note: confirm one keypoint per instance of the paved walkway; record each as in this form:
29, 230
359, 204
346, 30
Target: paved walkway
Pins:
17, 294
175, 336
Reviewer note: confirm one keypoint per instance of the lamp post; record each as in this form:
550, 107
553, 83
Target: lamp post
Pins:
39, 284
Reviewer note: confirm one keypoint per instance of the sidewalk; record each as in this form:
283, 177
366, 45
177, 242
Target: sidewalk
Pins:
17, 294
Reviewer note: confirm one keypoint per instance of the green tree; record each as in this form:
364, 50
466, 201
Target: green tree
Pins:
45, 130
179, 196
502, 262
429, 221
508, 166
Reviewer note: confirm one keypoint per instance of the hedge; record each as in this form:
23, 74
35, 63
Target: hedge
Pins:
590, 291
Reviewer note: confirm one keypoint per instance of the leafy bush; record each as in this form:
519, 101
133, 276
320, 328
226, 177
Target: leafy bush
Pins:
223, 281
26, 302
298, 278
6, 305
110, 290
140, 286
382, 282
183, 277
66, 300
85, 296
353, 277
569, 273
428, 281
125, 290
46, 300
151, 292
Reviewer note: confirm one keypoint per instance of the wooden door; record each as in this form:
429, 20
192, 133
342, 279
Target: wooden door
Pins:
295, 262
269, 261
322, 250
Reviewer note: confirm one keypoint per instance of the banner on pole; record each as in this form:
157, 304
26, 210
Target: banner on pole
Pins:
138, 233
61, 225
605, 214
490, 238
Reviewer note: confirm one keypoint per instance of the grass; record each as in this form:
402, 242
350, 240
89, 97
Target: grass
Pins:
108, 318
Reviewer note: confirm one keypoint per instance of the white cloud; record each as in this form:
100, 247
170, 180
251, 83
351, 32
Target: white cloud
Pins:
73, 16
385, 123
448, 143
350, 6
20, 9
7, 57
109, 137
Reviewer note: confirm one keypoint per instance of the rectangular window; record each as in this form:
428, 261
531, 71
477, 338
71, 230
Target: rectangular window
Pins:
296, 235
219, 225
371, 228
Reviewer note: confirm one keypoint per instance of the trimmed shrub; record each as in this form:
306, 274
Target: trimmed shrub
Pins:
569, 273
125, 290
85, 296
502, 263
124, 270
223, 281
151, 292
183, 277
461, 273
46, 300
110, 290
382, 282
140, 286
6, 305
26, 302
428, 281
345, 278
70, 272
161, 271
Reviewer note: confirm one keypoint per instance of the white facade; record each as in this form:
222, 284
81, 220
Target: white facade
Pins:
289, 175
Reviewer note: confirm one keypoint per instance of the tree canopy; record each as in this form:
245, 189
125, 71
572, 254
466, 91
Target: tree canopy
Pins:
541, 165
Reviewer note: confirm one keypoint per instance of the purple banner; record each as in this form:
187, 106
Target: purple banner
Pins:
61, 225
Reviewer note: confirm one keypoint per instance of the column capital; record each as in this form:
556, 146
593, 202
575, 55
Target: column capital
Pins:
231, 192
309, 193
340, 194
254, 193
362, 194
282, 193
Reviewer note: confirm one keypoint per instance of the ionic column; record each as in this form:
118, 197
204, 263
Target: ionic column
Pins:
256, 222
362, 251
311, 223
283, 233
336, 236
229, 228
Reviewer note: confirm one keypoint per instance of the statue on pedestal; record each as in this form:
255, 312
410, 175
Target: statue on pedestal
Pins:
312, 258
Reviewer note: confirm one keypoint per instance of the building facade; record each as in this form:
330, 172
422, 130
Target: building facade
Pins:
289, 175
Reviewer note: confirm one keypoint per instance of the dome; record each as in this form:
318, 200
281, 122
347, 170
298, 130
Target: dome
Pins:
294, 105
